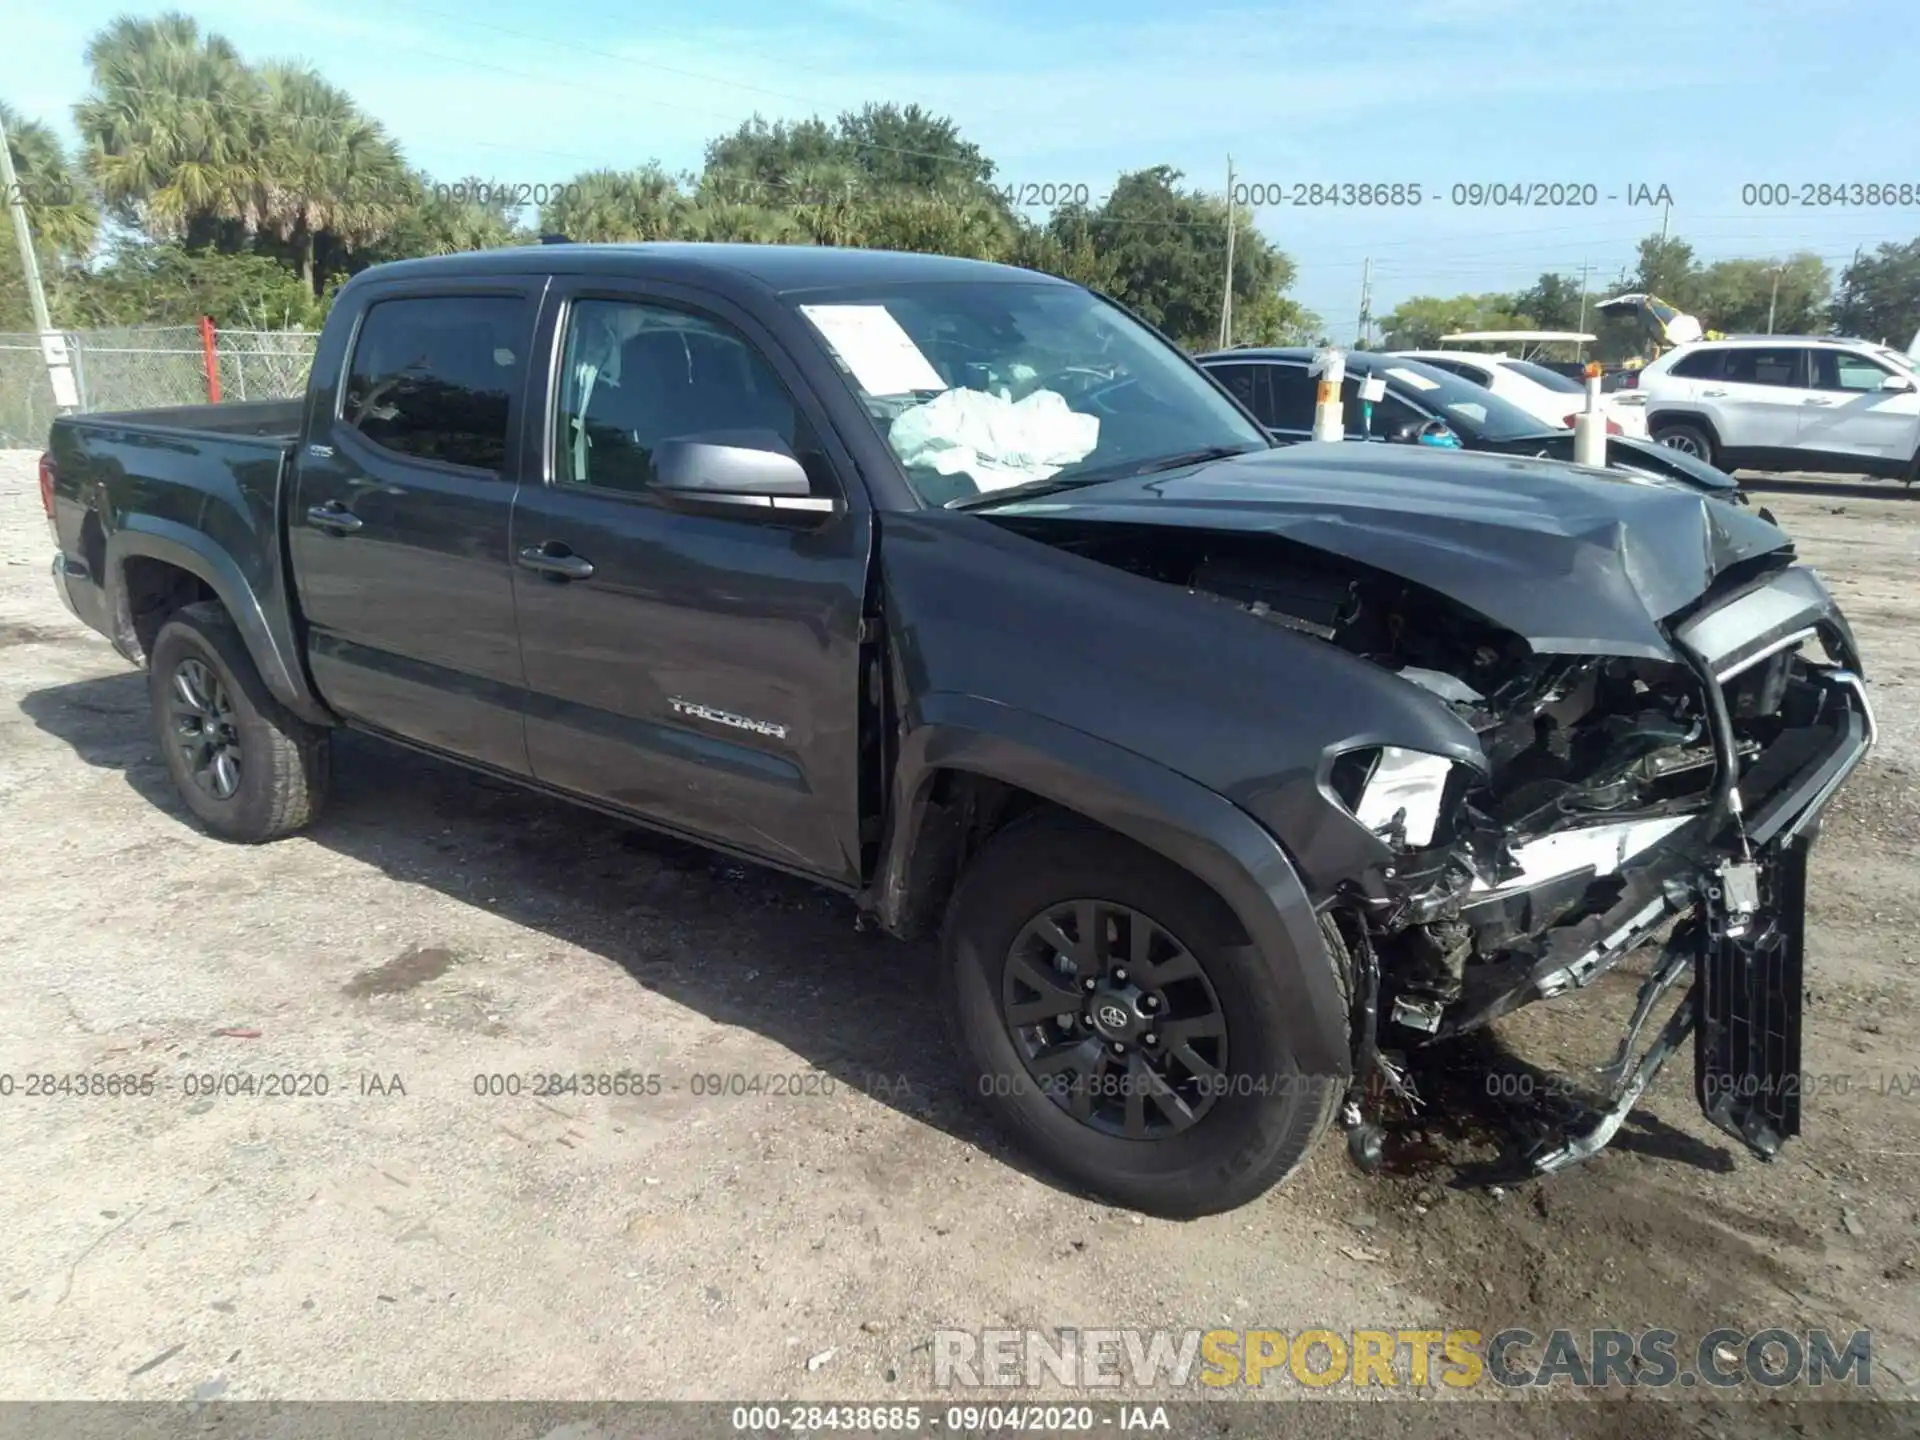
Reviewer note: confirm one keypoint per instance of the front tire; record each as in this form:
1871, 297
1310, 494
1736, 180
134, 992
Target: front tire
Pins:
246, 766
1689, 438
1118, 1023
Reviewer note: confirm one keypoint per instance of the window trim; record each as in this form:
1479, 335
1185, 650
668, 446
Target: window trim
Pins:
340, 427
1839, 354
557, 313
1804, 363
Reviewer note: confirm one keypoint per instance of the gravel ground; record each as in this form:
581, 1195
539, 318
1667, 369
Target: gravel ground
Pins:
404, 1236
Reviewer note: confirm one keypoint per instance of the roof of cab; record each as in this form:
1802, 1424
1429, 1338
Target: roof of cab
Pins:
780, 268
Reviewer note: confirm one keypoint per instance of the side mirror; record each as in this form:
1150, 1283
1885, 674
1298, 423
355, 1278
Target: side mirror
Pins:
740, 469
1405, 434
1897, 382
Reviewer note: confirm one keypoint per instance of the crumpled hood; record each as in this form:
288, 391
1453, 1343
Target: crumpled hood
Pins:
1573, 560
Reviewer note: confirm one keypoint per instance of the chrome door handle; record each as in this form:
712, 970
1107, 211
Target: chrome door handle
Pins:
556, 562
335, 517
1814, 400
1712, 394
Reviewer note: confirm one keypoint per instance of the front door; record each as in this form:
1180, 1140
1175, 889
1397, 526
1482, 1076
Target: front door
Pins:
1848, 413
699, 669
1755, 403
399, 531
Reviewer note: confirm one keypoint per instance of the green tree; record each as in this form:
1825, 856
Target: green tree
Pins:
1735, 296
169, 283
769, 153
1553, 302
1420, 322
174, 130
911, 147
446, 219
1167, 248
618, 205
1666, 268
329, 178
1880, 295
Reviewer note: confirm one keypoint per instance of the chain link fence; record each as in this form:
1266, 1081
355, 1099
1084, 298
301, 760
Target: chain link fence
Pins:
147, 367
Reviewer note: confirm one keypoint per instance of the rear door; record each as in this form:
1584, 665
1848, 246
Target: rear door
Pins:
697, 666
1847, 413
1755, 405
400, 527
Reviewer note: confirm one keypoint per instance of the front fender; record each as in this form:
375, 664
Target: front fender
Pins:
1187, 824
266, 630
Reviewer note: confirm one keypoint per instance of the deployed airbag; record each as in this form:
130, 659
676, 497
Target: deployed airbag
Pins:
998, 442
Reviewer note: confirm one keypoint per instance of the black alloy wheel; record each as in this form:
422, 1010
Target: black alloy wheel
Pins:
204, 727
1115, 1019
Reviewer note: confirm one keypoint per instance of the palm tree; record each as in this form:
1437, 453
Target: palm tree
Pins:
60, 212
173, 129
434, 222
328, 170
615, 205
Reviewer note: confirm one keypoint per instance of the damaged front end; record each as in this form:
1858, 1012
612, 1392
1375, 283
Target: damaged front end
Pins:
1626, 802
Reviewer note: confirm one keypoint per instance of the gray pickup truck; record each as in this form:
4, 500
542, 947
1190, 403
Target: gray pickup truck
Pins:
1233, 776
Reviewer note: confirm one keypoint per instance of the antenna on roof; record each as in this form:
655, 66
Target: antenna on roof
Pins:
555, 240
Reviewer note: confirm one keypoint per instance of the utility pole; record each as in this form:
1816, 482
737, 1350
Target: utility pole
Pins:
1666, 212
1226, 298
1364, 333
1773, 299
23, 237
1580, 346
53, 345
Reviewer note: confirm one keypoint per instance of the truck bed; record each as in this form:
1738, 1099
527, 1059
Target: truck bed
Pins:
276, 420
196, 488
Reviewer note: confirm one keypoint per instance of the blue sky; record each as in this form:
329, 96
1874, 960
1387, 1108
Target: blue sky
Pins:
1701, 96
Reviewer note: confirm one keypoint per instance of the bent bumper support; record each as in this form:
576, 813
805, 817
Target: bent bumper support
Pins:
1743, 1012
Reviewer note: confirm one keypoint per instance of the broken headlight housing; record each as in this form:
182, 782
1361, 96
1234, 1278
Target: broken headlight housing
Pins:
1403, 796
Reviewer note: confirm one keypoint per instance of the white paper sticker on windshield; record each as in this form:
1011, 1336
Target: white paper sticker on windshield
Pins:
883, 358
1419, 382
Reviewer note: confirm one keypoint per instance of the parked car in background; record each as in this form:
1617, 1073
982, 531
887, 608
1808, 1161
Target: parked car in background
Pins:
1542, 392
1275, 386
1788, 402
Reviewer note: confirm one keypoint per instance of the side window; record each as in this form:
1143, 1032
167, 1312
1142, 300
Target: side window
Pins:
1290, 403
434, 378
1766, 367
1246, 383
1390, 412
1843, 370
633, 375
1700, 365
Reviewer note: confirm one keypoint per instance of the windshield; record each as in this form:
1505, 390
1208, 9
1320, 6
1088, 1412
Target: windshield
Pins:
1895, 357
1541, 375
1478, 411
983, 385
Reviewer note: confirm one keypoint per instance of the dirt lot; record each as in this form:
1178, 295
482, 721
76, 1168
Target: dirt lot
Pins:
403, 1236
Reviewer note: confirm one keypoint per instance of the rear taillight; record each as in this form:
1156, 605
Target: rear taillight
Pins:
1629, 380
46, 484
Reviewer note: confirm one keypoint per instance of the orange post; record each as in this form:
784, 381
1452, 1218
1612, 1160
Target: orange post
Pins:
210, 358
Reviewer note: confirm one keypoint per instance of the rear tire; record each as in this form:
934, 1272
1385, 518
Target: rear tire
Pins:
1242, 1129
246, 766
1689, 438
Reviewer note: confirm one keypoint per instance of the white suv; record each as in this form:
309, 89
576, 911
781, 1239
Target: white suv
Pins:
1788, 402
